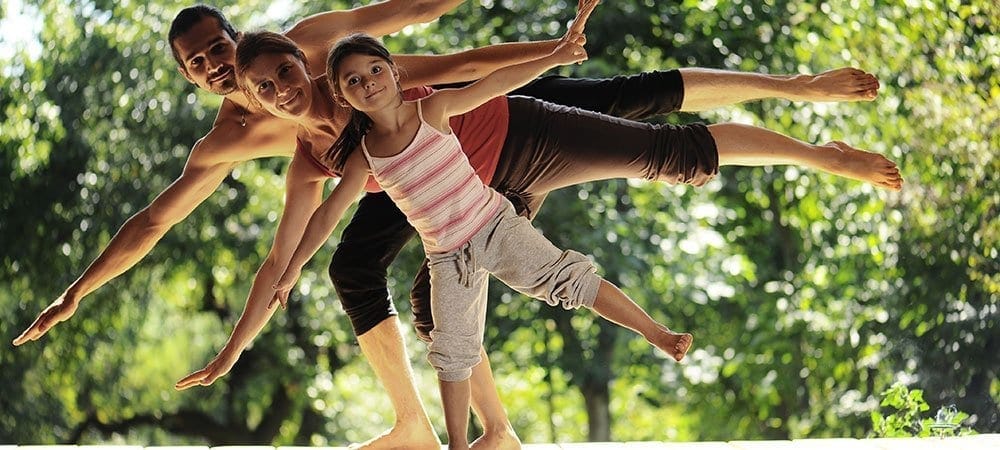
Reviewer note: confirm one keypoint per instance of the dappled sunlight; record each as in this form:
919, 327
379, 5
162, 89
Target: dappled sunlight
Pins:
809, 295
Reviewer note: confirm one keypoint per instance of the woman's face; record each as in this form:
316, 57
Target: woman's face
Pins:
280, 83
367, 82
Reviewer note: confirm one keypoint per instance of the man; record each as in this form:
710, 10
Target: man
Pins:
203, 41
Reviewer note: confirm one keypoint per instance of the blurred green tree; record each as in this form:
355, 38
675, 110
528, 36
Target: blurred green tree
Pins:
808, 295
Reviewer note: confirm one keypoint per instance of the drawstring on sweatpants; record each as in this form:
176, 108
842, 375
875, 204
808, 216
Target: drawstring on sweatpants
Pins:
465, 263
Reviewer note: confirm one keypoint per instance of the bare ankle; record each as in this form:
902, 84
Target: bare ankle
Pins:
502, 438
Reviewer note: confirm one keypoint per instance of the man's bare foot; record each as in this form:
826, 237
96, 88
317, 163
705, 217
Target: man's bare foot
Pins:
403, 436
500, 440
856, 164
674, 344
838, 85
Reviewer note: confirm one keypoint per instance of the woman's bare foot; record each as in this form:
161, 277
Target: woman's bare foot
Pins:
674, 344
402, 435
856, 164
504, 439
838, 85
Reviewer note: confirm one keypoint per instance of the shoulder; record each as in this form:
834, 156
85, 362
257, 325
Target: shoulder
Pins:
240, 135
315, 35
432, 111
356, 167
217, 146
417, 92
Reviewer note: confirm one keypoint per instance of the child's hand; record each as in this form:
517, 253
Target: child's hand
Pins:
570, 51
284, 285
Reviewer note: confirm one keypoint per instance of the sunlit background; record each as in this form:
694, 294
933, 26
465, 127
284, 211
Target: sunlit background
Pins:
809, 296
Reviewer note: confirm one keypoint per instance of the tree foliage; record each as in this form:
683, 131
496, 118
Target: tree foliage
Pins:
808, 295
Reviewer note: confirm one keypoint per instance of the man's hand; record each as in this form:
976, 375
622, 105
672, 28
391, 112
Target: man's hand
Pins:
61, 309
218, 367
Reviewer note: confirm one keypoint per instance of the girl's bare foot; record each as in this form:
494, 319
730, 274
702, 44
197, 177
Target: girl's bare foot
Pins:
674, 344
856, 164
838, 85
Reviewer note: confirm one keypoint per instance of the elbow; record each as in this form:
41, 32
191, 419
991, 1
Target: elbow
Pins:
155, 220
430, 10
468, 71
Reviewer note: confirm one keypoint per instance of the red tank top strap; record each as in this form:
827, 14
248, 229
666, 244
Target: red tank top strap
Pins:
312, 158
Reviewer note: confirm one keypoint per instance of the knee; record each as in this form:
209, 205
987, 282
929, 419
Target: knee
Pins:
423, 329
420, 304
344, 265
453, 356
574, 283
362, 291
685, 154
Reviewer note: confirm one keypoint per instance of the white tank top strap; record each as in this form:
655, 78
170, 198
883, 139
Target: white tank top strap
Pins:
432, 129
420, 111
364, 151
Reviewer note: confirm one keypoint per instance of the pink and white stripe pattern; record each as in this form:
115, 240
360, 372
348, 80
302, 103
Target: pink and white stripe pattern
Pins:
432, 182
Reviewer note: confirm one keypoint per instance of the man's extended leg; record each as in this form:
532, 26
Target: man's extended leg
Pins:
635, 97
640, 96
368, 245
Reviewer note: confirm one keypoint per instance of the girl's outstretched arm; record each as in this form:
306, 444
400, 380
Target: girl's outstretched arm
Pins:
325, 220
451, 102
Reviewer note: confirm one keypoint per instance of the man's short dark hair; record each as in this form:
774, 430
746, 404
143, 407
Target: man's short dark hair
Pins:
188, 17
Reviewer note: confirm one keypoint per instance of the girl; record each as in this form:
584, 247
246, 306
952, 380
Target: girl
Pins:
468, 229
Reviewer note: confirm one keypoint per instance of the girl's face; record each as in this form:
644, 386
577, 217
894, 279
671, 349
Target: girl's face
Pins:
280, 83
367, 82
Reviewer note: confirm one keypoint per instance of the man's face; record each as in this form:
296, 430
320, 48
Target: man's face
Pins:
208, 54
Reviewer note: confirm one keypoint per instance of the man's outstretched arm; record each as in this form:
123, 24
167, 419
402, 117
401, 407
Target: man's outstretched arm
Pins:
136, 237
317, 33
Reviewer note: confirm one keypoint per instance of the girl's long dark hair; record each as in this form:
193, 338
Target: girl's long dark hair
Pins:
360, 123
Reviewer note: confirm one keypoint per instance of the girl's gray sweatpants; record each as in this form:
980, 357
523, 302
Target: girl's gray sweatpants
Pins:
517, 254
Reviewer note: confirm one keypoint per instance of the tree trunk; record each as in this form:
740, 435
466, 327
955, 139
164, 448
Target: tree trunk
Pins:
597, 396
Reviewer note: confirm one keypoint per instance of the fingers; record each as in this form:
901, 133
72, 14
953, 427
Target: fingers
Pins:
195, 379
281, 298
575, 38
35, 331
585, 8
203, 377
24, 337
